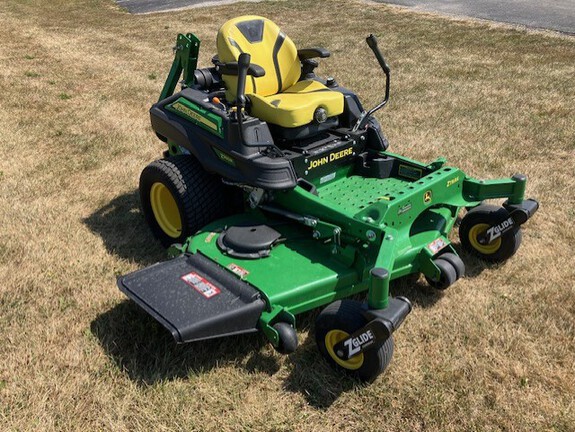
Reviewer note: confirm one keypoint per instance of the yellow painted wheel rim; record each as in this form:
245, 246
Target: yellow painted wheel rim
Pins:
487, 249
331, 339
165, 210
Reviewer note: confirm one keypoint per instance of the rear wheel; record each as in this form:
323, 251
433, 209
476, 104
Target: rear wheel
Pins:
336, 322
178, 198
475, 224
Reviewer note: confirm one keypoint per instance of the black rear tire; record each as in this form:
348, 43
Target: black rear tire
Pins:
337, 321
179, 197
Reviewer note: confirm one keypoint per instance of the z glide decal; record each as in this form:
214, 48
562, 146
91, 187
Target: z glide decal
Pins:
496, 231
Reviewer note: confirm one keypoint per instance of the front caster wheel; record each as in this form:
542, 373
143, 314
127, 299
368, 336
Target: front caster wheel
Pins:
335, 323
474, 227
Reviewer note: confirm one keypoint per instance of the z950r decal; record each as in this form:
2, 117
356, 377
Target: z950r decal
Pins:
496, 231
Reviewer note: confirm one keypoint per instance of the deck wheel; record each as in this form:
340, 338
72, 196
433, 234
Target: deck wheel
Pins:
287, 338
447, 275
456, 262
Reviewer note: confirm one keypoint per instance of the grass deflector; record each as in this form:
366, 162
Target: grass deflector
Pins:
278, 196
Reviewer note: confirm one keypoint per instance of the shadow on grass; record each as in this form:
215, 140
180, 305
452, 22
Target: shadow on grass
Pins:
142, 348
416, 290
474, 266
311, 376
123, 229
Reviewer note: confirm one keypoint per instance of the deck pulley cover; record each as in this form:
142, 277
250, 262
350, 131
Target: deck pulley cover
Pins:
248, 242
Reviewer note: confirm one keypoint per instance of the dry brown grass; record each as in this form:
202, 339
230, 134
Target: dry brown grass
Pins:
495, 352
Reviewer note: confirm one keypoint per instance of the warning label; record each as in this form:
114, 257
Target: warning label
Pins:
436, 245
201, 285
240, 271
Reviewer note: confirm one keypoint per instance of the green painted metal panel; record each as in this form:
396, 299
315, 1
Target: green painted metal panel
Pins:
300, 274
185, 60
397, 223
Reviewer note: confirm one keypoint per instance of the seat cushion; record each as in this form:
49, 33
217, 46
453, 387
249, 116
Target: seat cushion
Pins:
269, 48
295, 106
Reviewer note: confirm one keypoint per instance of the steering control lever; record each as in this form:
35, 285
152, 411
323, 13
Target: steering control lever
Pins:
363, 118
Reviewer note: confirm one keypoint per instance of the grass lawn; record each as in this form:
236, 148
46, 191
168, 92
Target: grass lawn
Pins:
494, 352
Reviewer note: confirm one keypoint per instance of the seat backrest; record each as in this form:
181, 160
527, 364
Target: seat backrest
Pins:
269, 48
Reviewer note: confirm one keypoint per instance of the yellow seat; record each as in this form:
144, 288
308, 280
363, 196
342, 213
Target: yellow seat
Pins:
278, 97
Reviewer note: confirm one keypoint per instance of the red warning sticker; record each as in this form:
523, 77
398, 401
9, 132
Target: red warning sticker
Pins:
436, 245
201, 285
240, 271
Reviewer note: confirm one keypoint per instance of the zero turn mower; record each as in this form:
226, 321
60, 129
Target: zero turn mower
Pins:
279, 196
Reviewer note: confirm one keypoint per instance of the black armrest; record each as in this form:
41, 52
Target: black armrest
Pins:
231, 68
308, 53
